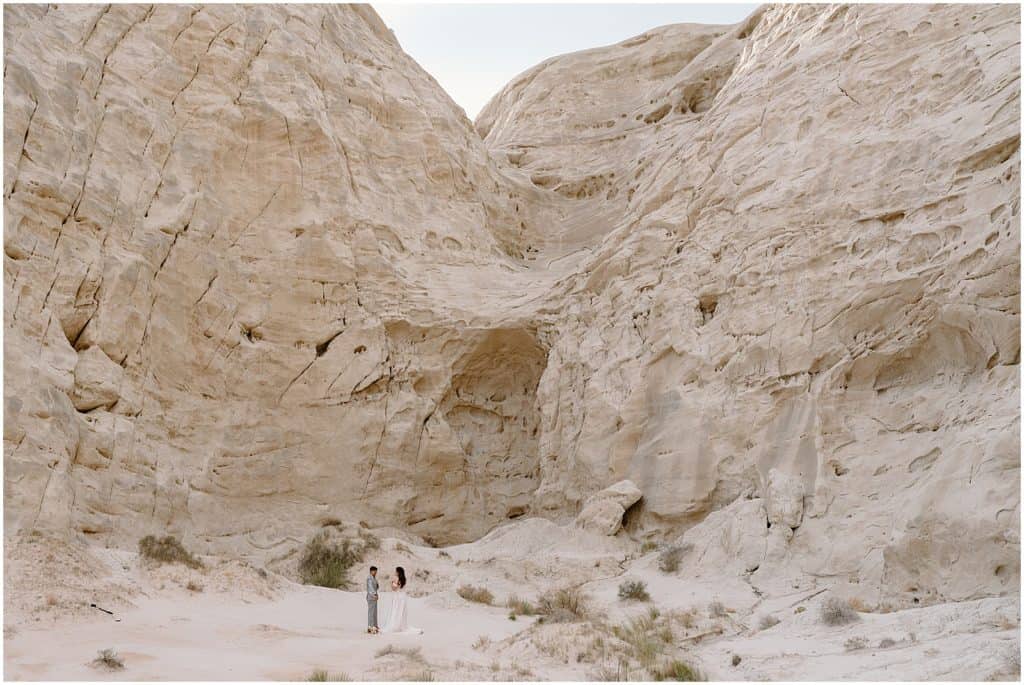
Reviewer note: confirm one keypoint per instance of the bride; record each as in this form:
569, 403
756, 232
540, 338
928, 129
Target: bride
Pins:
398, 618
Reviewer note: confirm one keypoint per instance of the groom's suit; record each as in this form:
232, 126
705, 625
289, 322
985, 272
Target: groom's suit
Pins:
371, 602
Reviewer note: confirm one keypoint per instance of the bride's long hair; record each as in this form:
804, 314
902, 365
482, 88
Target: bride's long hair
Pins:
401, 576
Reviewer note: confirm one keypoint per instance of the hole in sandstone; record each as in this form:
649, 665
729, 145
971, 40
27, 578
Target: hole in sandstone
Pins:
707, 305
359, 350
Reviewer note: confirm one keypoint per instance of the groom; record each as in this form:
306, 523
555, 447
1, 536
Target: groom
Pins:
371, 602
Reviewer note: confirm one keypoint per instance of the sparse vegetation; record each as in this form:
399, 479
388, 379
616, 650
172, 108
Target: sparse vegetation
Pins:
399, 547
646, 637
108, 659
392, 650
482, 642
855, 643
717, 609
563, 606
670, 558
322, 676
634, 590
471, 593
520, 607
648, 547
607, 674
193, 586
736, 659
886, 643
677, 670
444, 555
167, 550
837, 612
325, 564
767, 621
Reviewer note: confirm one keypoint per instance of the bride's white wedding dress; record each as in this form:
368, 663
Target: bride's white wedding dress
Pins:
398, 619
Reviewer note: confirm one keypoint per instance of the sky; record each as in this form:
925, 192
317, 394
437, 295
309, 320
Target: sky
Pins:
474, 50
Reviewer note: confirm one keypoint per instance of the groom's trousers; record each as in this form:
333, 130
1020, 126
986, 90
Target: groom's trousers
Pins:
371, 613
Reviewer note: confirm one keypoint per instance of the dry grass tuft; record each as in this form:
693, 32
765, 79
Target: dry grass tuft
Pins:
563, 606
480, 595
648, 547
837, 612
193, 586
634, 590
167, 550
482, 642
325, 564
407, 652
108, 659
670, 558
520, 607
679, 671
322, 676
855, 643
717, 610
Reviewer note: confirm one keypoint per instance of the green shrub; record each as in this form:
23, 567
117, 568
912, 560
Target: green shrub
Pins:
325, 564
634, 590
167, 550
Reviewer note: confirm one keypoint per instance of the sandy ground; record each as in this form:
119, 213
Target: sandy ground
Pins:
235, 621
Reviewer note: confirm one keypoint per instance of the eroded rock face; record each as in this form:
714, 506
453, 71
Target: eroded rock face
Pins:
259, 269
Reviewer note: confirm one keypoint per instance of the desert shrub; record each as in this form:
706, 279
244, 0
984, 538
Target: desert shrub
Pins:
322, 676
634, 590
669, 558
564, 605
520, 606
325, 564
407, 652
767, 621
167, 550
470, 593
855, 643
108, 659
736, 659
648, 547
717, 609
444, 555
646, 638
837, 612
193, 586
328, 522
399, 547
677, 670
886, 643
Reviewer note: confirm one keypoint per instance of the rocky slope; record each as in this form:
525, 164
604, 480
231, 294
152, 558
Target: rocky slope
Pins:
260, 270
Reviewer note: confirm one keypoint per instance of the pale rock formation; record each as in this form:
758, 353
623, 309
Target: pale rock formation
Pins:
784, 499
603, 511
706, 260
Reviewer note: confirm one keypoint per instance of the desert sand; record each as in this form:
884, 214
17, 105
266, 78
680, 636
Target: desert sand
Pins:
746, 295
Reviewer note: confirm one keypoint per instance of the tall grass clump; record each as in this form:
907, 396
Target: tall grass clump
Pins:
837, 612
326, 564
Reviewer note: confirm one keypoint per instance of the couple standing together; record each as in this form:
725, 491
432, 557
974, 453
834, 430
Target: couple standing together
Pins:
398, 619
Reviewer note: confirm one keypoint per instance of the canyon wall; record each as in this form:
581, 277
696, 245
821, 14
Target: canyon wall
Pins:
260, 270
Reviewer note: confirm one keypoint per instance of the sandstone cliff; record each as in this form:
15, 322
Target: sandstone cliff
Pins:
259, 270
